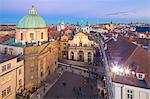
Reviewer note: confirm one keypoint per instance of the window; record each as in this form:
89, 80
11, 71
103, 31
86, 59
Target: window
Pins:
64, 43
19, 71
4, 93
42, 35
9, 90
21, 36
20, 82
3, 68
80, 43
10, 51
65, 48
89, 56
41, 74
72, 56
140, 76
129, 94
8, 66
31, 36
5, 50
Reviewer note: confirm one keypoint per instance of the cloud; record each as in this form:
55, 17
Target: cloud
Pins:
117, 13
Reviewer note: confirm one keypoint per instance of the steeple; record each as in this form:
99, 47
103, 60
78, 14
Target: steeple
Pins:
78, 23
87, 23
111, 22
32, 11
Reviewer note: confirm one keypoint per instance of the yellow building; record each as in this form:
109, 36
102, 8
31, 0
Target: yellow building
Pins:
40, 62
81, 48
31, 28
63, 47
40, 55
11, 76
109, 26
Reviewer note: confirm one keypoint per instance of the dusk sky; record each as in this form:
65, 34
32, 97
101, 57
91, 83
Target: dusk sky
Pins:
15, 9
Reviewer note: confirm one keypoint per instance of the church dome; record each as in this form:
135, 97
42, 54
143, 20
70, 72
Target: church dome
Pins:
32, 20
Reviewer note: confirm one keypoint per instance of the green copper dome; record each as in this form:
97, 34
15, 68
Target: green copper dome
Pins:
31, 20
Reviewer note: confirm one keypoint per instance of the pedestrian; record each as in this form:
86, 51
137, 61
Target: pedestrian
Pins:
102, 93
44, 89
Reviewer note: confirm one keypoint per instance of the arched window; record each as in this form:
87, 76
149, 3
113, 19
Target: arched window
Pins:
21, 36
42, 35
81, 56
72, 56
32, 36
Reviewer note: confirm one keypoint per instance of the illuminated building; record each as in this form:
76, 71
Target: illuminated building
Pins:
129, 65
40, 56
11, 75
31, 28
64, 47
81, 48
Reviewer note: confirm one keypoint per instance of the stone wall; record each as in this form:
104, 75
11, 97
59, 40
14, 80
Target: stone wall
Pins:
40, 61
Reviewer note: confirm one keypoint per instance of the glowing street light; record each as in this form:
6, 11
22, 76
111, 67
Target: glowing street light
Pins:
127, 71
115, 69
133, 73
121, 70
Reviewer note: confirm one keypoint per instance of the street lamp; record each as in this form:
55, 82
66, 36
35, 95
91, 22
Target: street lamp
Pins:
127, 71
115, 69
133, 73
119, 70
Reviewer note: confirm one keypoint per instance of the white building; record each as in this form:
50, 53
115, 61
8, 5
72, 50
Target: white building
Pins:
131, 75
123, 91
61, 26
81, 48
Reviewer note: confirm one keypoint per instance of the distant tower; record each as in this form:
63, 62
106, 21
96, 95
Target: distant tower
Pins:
87, 23
78, 28
61, 26
86, 28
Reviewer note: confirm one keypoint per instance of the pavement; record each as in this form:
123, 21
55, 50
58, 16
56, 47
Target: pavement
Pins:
73, 86
51, 80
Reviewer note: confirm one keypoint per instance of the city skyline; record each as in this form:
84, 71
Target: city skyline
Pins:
97, 10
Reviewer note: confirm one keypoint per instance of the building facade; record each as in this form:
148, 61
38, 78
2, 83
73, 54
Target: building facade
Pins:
40, 62
63, 47
81, 48
11, 76
123, 91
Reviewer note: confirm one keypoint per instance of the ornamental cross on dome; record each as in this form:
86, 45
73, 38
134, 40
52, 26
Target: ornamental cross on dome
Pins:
32, 11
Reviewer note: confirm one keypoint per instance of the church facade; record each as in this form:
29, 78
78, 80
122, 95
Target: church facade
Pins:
81, 48
40, 56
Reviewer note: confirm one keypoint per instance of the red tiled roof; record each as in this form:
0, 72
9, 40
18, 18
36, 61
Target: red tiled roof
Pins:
5, 38
138, 40
121, 48
133, 57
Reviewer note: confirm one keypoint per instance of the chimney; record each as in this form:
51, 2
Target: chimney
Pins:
115, 36
105, 47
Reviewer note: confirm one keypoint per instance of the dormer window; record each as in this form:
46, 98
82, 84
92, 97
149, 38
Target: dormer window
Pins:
140, 76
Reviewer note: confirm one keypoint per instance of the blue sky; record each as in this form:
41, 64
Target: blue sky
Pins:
15, 9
